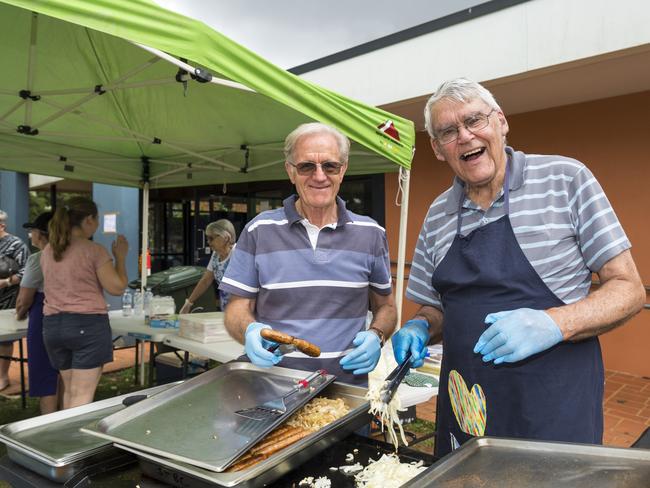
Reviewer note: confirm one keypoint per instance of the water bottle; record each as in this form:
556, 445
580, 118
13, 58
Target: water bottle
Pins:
137, 303
148, 296
127, 304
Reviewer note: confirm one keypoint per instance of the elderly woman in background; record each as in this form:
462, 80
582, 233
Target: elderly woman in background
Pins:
76, 330
221, 238
43, 378
14, 252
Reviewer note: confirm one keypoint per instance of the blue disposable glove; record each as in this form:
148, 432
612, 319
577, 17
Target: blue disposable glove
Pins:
413, 336
256, 346
514, 335
365, 355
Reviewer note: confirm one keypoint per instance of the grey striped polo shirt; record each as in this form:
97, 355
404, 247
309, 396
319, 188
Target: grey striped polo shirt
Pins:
561, 217
320, 294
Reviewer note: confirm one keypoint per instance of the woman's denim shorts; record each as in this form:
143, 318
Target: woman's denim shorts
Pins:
78, 341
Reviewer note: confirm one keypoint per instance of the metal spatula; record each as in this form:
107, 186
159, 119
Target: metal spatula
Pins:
275, 408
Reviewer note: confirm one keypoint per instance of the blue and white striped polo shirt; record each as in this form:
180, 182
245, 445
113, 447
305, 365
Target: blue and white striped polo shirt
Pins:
321, 294
561, 217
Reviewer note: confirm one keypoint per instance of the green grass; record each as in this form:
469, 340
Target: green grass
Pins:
414, 430
420, 428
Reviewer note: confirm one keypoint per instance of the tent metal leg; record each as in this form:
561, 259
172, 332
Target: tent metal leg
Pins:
23, 396
404, 183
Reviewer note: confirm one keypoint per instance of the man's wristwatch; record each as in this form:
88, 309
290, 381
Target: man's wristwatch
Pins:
380, 334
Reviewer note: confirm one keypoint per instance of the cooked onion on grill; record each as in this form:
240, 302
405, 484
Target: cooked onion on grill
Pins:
318, 413
387, 472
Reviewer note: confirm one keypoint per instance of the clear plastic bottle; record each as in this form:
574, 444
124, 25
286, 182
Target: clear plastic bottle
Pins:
137, 303
148, 296
127, 303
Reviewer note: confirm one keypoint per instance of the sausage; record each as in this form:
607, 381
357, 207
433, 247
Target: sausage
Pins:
245, 463
304, 346
276, 336
281, 444
307, 347
272, 444
273, 439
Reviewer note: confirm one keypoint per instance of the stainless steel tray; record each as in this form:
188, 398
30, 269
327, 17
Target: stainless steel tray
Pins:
52, 446
510, 463
195, 423
184, 475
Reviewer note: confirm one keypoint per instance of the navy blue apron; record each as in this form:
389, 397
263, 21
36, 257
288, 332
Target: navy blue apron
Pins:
555, 395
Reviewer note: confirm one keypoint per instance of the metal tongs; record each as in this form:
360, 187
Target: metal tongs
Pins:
394, 379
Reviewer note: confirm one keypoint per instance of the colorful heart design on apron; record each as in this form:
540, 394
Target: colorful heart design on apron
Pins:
468, 406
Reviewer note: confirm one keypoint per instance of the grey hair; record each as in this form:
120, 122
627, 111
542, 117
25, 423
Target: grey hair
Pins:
222, 227
458, 90
316, 128
3, 217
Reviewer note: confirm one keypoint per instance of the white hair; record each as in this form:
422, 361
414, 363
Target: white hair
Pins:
222, 227
3, 217
316, 128
458, 90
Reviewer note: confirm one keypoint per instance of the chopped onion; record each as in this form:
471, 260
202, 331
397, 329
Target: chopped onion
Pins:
318, 413
322, 482
387, 472
387, 413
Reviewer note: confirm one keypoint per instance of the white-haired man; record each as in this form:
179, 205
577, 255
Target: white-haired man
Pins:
502, 271
312, 268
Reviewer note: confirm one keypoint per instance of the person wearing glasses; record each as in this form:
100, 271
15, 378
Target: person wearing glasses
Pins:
312, 268
221, 238
502, 272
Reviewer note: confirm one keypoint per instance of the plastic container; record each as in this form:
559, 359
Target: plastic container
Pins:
146, 303
178, 282
137, 303
127, 304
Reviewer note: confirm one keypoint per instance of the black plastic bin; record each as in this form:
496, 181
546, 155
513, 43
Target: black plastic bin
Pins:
178, 282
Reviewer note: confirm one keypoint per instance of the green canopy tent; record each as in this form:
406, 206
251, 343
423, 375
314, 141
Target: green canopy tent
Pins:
125, 92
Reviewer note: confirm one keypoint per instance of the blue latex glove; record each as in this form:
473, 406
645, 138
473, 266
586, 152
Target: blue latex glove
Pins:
514, 335
365, 355
256, 346
413, 336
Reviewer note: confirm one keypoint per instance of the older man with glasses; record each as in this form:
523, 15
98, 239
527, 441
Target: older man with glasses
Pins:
502, 271
312, 268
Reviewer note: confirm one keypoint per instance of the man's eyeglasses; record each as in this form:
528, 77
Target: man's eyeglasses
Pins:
308, 167
473, 123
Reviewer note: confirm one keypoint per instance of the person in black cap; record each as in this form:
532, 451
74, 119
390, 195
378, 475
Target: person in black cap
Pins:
14, 251
43, 378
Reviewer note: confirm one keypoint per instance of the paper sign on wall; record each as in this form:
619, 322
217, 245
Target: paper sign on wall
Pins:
110, 223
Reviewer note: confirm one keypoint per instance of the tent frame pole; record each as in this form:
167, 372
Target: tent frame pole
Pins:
144, 137
191, 69
94, 94
143, 265
145, 235
31, 62
118, 176
118, 86
404, 178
